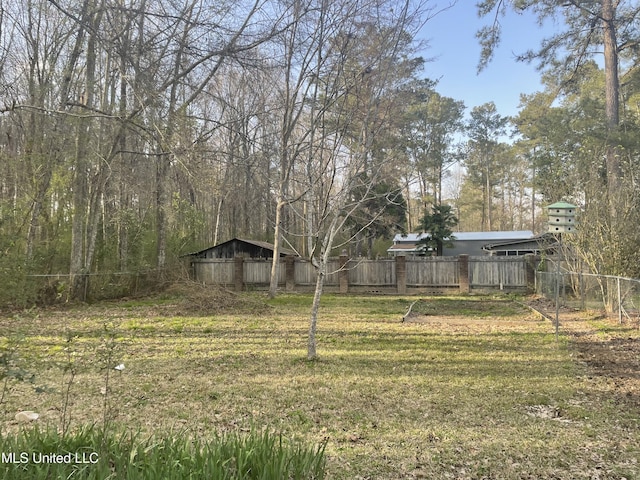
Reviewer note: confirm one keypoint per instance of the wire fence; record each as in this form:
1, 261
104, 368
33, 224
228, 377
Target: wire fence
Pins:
616, 296
56, 288
23, 290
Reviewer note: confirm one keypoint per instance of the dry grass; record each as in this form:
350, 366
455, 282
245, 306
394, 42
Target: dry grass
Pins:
476, 388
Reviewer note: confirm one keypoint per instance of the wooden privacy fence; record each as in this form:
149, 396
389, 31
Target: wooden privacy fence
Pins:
401, 275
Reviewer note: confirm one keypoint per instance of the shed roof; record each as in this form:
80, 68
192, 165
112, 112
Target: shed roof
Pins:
257, 243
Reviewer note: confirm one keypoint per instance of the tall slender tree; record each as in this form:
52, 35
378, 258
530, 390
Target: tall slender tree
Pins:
140, 121
432, 123
606, 27
567, 144
348, 173
484, 129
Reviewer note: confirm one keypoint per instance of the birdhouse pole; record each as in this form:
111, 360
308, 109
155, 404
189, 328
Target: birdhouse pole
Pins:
561, 220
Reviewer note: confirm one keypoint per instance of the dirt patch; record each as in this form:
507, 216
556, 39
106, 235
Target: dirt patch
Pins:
548, 412
615, 359
193, 298
464, 325
547, 308
609, 350
472, 316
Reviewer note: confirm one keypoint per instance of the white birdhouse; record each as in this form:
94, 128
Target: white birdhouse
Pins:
562, 217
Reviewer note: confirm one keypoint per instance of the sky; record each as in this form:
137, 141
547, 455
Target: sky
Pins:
456, 51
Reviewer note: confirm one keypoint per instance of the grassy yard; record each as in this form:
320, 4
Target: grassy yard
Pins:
472, 387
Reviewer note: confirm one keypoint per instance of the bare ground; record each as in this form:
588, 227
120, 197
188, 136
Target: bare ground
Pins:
610, 351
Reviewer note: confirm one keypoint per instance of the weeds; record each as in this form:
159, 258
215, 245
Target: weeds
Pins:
12, 366
91, 453
106, 354
69, 371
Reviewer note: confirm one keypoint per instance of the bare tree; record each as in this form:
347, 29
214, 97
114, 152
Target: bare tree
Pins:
303, 48
341, 174
137, 120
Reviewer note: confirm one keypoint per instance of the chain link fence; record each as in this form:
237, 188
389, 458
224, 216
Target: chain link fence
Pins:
616, 296
26, 290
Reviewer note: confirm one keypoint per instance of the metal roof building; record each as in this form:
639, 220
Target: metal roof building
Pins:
467, 243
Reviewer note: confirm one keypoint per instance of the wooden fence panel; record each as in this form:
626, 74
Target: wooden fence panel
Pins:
258, 272
484, 272
305, 273
433, 272
332, 278
372, 273
214, 271
498, 272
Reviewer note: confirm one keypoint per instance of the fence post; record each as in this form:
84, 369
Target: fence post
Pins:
530, 262
343, 274
401, 275
619, 302
463, 273
238, 273
290, 273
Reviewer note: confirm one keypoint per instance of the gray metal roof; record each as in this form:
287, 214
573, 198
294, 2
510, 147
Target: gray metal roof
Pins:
470, 236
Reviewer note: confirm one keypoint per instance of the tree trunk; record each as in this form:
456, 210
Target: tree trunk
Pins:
488, 189
315, 306
95, 214
42, 187
78, 223
123, 185
78, 269
216, 229
275, 263
162, 204
612, 103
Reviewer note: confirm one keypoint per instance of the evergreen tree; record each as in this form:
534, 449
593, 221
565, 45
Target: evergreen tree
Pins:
438, 225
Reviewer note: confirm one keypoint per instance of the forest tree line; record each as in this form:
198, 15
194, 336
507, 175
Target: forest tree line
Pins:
135, 131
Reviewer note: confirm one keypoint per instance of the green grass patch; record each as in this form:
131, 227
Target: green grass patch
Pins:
479, 388
91, 453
